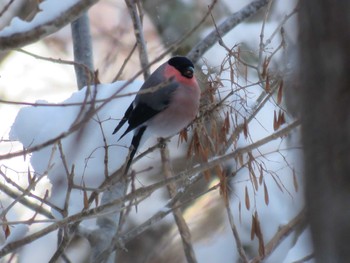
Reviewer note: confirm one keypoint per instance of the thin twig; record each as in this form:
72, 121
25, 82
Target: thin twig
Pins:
126, 60
70, 181
261, 44
182, 226
282, 233
6, 7
281, 24
232, 21
136, 17
26, 192
256, 109
24, 201
239, 245
63, 243
83, 66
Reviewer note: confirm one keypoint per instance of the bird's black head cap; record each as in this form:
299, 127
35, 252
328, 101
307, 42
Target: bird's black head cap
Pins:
184, 65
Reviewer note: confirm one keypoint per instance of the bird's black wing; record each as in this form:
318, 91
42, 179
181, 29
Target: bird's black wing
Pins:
146, 106
136, 117
140, 115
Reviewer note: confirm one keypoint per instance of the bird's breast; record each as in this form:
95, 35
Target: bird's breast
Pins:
181, 111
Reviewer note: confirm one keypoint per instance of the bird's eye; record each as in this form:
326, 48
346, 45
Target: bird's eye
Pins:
188, 72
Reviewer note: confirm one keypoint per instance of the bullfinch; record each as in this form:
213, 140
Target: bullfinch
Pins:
166, 103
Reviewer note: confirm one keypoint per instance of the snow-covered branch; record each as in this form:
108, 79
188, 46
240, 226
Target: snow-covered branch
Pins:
54, 15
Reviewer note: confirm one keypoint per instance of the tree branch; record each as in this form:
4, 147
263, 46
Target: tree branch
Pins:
82, 48
54, 24
179, 219
284, 232
108, 223
136, 17
183, 176
24, 201
239, 245
232, 21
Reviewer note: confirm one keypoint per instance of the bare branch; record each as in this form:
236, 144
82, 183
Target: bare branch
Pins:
261, 45
179, 219
81, 65
6, 7
108, 223
136, 16
124, 63
25, 192
183, 176
63, 243
239, 245
284, 232
236, 18
82, 50
24, 201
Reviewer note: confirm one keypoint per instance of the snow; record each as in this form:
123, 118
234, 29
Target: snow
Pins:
83, 148
50, 10
16, 233
35, 252
301, 249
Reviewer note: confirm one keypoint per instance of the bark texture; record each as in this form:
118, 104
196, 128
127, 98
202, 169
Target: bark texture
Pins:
325, 98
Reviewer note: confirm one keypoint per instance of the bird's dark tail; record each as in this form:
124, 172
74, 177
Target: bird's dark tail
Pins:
123, 120
133, 147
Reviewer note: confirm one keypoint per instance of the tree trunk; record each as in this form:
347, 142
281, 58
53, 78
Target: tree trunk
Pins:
324, 65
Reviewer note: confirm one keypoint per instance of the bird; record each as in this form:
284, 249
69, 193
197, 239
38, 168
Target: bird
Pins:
167, 102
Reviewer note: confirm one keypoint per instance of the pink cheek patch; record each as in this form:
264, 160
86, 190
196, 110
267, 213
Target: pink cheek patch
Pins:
171, 72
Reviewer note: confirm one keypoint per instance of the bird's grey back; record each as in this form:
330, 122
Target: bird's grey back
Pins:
159, 99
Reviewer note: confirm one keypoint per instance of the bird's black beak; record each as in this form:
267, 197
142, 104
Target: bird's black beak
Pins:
188, 72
